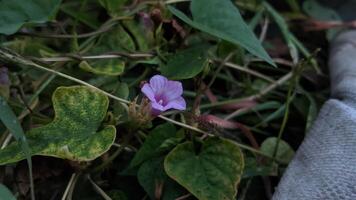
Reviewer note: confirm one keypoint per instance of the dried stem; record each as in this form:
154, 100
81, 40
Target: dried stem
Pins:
246, 70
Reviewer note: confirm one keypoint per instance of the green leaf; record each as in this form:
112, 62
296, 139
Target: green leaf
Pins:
151, 174
74, 133
15, 13
222, 19
186, 63
284, 153
211, 174
29, 47
116, 40
5, 194
152, 143
143, 37
113, 6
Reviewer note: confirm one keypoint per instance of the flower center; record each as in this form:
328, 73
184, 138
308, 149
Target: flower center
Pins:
161, 100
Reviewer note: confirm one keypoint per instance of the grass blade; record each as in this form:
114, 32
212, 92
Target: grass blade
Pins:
9, 119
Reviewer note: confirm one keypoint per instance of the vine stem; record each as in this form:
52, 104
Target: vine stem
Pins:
286, 113
10, 56
246, 70
91, 57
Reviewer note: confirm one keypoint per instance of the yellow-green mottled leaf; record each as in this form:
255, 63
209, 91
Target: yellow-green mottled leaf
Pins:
74, 134
109, 67
212, 173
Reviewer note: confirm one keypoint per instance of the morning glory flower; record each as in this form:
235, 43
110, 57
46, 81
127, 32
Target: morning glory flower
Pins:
164, 94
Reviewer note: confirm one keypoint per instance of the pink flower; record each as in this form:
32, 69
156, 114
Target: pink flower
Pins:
164, 94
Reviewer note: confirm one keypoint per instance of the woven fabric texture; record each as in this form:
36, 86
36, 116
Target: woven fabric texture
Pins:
324, 167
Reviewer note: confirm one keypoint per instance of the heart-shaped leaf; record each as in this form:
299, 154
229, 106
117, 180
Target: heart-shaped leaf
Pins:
211, 174
284, 153
151, 176
152, 143
15, 13
74, 133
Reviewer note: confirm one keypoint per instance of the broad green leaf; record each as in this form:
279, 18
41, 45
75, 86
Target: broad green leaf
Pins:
151, 174
15, 13
144, 38
5, 194
75, 132
152, 143
222, 19
284, 152
81, 12
186, 63
116, 40
29, 47
113, 6
213, 173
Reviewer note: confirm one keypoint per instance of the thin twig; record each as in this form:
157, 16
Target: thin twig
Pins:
247, 70
98, 189
175, 1
184, 197
257, 96
104, 28
71, 180
201, 89
276, 60
102, 56
264, 29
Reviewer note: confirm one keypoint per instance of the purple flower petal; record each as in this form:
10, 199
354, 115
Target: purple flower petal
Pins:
178, 103
158, 83
173, 90
147, 90
164, 94
158, 106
